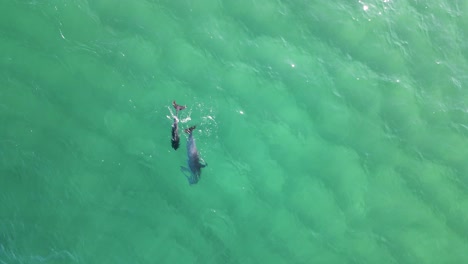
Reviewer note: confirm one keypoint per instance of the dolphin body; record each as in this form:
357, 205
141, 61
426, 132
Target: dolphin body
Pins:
175, 126
193, 159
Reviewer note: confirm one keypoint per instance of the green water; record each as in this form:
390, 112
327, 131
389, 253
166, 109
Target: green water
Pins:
335, 131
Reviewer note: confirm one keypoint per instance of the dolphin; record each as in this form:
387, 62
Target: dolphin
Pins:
193, 159
175, 126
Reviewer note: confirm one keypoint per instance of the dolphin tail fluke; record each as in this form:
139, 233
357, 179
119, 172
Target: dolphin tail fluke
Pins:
189, 130
177, 107
189, 176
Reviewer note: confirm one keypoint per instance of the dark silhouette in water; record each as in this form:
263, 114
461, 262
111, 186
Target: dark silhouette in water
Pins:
193, 159
175, 126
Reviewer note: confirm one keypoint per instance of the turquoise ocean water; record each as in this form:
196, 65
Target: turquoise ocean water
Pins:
335, 131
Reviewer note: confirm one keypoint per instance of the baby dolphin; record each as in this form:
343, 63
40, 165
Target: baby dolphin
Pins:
193, 159
175, 126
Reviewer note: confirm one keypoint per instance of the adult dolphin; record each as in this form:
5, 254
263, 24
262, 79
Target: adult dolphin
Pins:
193, 159
175, 126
